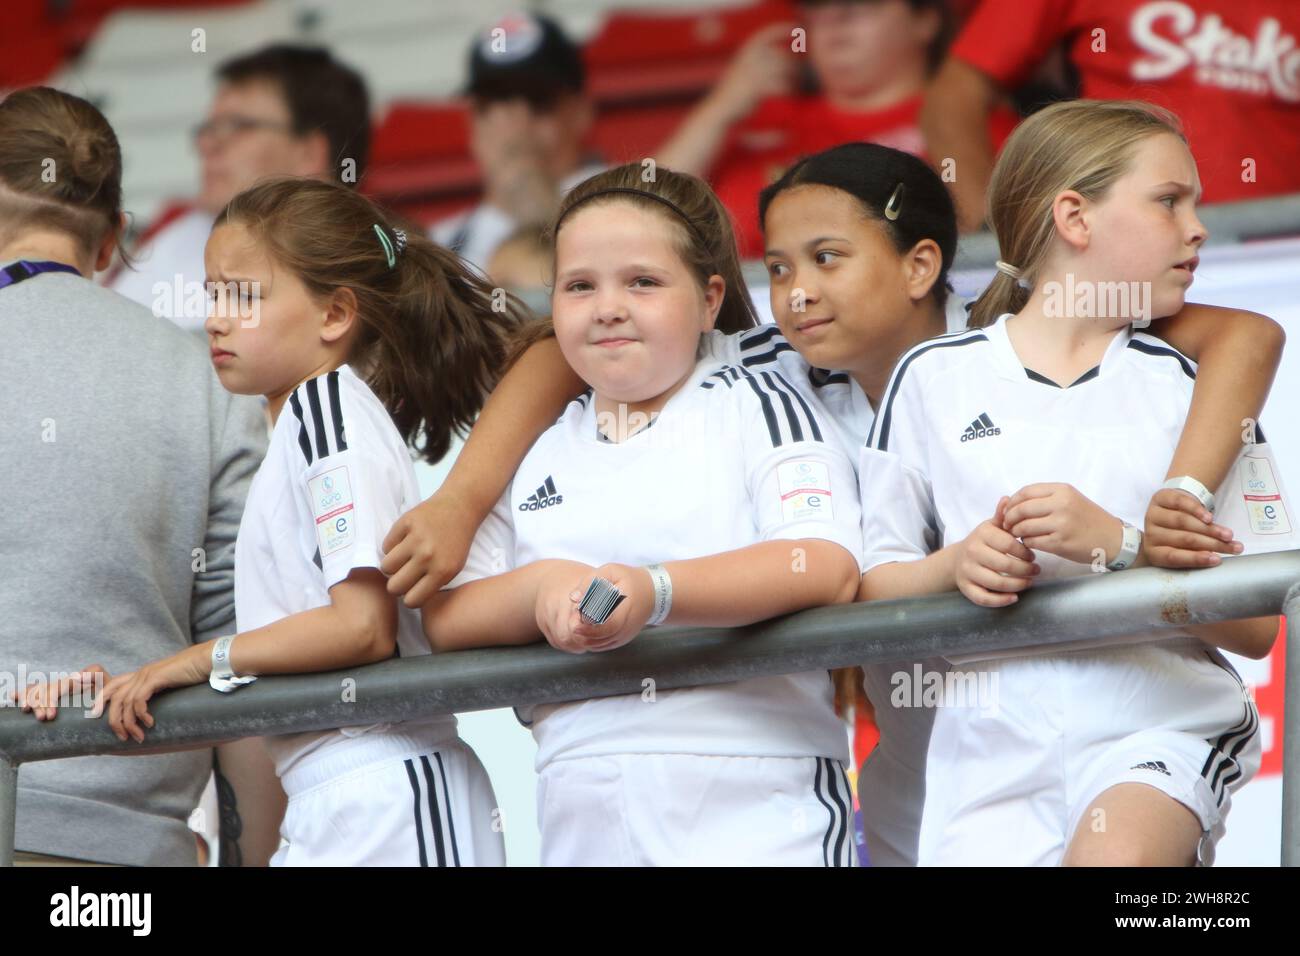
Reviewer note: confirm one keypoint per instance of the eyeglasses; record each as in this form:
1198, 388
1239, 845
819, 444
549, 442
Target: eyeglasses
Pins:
223, 128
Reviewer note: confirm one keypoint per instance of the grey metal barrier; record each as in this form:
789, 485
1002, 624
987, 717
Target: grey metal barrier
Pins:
1095, 607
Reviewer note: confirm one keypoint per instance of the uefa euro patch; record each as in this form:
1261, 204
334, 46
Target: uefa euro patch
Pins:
331, 506
1263, 497
805, 488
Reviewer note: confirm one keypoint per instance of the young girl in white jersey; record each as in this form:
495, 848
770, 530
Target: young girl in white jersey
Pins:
1124, 754
710, 496
362, 339
865, 235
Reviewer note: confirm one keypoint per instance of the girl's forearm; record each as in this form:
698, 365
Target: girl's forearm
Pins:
1252, 637
527, 401
933, 574
497, 610
759, 582
322, 639
1238, 355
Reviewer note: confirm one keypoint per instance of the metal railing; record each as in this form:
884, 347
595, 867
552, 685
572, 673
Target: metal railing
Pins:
1096, 607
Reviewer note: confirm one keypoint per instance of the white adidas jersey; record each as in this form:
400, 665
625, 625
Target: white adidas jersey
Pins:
336, 476
736, 457
963, 423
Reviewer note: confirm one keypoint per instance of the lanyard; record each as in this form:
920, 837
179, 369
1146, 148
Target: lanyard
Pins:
21, 270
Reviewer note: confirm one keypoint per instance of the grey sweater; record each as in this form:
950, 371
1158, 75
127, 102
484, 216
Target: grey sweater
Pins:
120, 456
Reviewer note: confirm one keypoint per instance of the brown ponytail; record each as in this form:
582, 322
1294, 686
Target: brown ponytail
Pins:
60, 167
434, 334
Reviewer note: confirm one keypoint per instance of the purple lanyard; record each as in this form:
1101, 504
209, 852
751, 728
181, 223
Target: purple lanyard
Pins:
13, 274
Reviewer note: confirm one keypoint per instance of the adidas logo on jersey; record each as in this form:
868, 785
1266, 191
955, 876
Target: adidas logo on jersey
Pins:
1157, 765
982, 427
544, 497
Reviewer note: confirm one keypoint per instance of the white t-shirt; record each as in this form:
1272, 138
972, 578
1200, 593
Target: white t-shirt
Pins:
964, 423
733, 459
337, 475
169, 273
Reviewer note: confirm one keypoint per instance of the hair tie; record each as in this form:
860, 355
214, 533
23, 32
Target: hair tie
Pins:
1007, 269
894, 206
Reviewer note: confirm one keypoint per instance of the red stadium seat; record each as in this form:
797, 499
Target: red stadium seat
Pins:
648, 55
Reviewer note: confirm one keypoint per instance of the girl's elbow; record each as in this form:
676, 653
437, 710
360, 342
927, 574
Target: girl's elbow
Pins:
380, 646
847, 578
1264, 635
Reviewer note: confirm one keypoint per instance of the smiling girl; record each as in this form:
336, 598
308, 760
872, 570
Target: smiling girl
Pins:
710, 496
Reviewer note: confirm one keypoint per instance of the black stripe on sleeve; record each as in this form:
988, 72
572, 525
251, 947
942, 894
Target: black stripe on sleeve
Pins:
303, 441
755, 340
809, 415
812, 416
796, 429
885, 418
318, 420
769, 413
336, 410
768, 356
1150, 349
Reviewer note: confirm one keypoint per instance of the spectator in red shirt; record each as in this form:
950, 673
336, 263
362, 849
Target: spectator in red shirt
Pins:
849, 70
1229, 68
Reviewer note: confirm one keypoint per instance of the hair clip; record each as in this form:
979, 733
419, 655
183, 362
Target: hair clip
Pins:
389, 252
893, 207
1007, 269
400, 236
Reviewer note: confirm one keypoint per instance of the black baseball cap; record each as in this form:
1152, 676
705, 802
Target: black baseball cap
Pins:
524, 56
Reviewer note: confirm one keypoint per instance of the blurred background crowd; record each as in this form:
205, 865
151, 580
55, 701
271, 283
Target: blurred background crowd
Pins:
471, 119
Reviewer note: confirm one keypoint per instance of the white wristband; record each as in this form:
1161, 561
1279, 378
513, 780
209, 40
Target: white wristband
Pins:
1194, 488
1129, 550
222, 677
663, 589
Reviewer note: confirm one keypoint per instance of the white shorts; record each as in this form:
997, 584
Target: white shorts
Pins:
434, 808
689, 810
1007, 784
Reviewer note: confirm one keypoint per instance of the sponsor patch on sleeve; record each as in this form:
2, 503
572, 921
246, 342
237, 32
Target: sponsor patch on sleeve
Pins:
332, 507
805, 488
1265, 508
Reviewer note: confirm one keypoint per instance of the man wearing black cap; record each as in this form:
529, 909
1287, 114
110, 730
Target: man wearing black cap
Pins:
530, 113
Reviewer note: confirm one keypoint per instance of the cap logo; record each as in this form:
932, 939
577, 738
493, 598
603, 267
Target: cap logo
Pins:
511, 39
